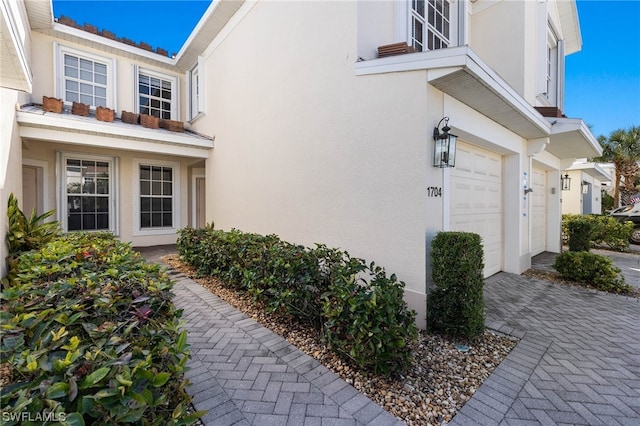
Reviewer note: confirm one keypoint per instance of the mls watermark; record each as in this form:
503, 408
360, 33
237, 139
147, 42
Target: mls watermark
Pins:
45, 416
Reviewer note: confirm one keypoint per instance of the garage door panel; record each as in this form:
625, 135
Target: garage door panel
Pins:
476, 200
481, 197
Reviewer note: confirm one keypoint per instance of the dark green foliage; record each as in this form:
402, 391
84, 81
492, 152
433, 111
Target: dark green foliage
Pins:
28, 233
89, 330
455, 307
580, 235
358, 308
607, 201
605, 230
591, 269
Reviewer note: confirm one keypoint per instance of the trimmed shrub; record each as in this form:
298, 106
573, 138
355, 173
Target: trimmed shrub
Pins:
368, 321
455, 307
591, 269
91, 334
358, 308
580, 235
605, 230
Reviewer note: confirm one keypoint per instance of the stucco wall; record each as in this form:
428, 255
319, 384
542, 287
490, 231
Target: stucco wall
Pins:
10, 168
47, 152
125, 94
307, 150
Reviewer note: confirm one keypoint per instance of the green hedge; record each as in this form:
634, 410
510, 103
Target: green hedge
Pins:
591, 269
357, 307
605, 230
91, 334
455, 307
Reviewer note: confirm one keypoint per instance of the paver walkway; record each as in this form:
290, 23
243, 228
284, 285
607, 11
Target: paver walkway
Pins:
244, 374
578, 361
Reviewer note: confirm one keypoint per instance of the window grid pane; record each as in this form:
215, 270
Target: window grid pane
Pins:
85, 81
156, 197
155, 96
430, 24
87, 193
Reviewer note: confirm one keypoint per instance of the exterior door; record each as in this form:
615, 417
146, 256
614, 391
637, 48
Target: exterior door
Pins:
31, 190
476, 201
538, 200
200, 203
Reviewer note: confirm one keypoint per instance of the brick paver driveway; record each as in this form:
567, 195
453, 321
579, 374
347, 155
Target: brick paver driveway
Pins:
578, 362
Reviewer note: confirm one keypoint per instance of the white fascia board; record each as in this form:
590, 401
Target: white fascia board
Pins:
593, 169
443, 61
47, 127
565, 125
78, 34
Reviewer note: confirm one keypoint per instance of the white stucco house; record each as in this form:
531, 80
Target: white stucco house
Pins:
301, 126
582, 194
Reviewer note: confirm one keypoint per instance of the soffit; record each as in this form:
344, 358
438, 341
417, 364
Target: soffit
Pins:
212, 22
592, 169
570, 25
14, 70
571, 138
40, 13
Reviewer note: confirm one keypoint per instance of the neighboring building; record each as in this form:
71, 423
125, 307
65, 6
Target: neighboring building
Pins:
584, 192
317, 138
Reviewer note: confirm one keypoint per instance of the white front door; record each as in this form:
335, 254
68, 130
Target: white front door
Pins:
476, 200
538, 200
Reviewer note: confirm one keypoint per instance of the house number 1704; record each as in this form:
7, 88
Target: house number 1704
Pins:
434, 191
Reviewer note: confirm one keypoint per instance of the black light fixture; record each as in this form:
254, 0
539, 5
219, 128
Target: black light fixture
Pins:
444, 146
566, 182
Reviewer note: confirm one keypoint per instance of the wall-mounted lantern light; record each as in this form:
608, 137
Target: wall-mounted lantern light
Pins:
444, 146
566, 182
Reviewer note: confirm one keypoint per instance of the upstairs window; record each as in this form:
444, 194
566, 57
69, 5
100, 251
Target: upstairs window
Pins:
85, 78
431, 24
157, 95
196, 89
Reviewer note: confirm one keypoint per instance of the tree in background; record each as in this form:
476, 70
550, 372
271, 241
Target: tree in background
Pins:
622, 148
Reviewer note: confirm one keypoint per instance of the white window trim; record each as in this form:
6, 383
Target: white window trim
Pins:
175, 205
175, 94
59, 52
457, 20
61, 202
201, 108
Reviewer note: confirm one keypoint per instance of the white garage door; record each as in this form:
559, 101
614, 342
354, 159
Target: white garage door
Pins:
476, 200
538, 200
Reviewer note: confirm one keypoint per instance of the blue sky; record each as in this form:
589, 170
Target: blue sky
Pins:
602, 80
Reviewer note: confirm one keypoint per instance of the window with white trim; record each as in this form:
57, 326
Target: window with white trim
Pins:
156, 193
554, 69
431, 24
157, 95
196, 89
195, 92
88, 193
84, 77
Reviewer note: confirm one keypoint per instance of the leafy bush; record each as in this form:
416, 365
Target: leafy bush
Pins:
604, 230
358, 308
89, 330
591, 269
580, 235
28, 233
368, 322
455, 307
